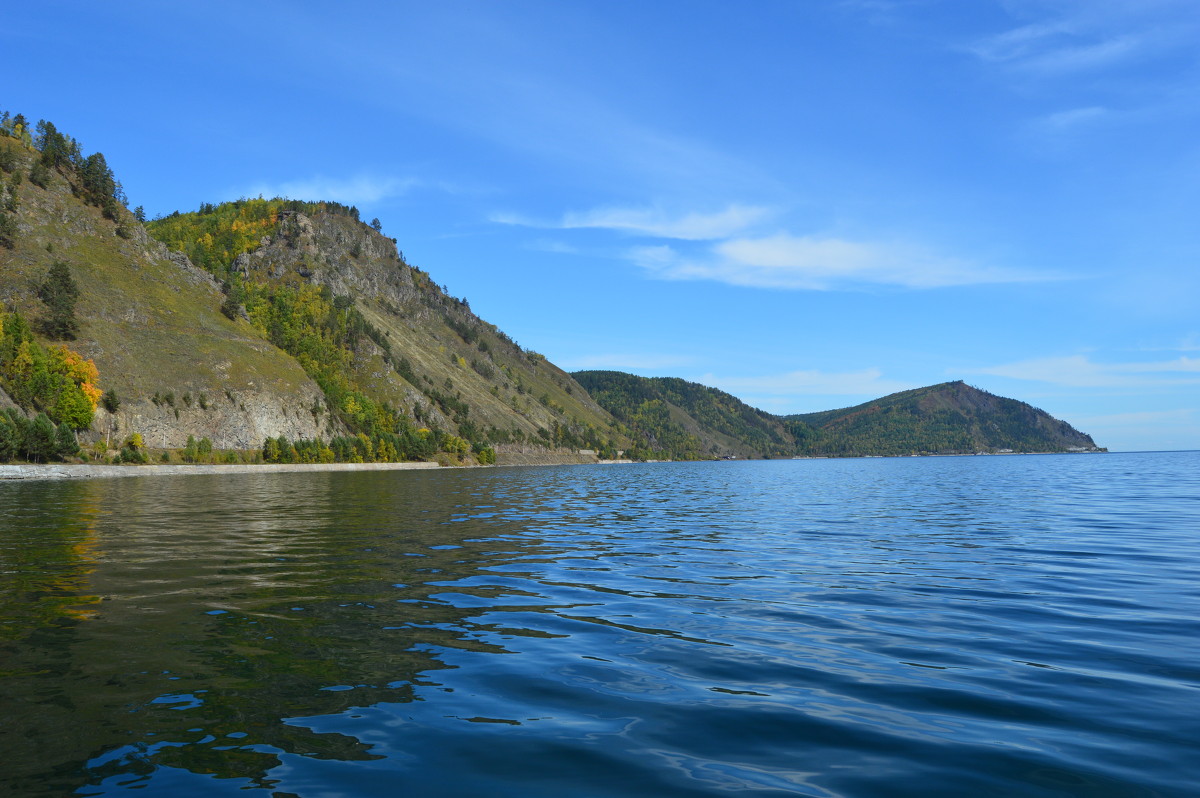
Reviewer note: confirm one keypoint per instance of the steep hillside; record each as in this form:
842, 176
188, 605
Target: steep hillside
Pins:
148, 320
259, 319
682, 420
950, 418
376, 332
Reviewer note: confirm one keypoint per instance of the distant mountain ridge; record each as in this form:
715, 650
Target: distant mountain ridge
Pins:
948, 418
672, 418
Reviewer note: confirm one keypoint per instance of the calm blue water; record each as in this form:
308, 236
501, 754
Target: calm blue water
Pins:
970, 626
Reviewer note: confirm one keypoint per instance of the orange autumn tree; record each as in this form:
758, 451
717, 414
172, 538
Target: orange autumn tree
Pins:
54, 380
78, 394
74, 367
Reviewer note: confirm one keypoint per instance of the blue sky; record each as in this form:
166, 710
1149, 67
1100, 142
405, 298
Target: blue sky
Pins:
808, 204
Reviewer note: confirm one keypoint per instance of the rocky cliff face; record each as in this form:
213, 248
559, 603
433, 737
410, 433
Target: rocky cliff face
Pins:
234, 421
333, 251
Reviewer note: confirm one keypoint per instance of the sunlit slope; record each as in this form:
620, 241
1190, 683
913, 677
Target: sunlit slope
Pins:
370, 327
150, 323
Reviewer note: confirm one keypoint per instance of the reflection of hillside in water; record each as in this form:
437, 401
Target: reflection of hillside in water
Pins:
229, 604
47, 550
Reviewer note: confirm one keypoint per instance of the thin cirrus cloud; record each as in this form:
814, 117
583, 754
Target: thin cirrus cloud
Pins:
729, 255
1071, 119
352, 190
820, 264
1070, 37
656, 223
1078, 371
1055, 51
652, 222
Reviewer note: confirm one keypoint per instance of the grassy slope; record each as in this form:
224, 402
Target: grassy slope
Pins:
150, 325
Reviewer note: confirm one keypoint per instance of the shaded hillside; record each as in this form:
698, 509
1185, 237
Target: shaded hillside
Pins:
682, 420
672, 418
950, 418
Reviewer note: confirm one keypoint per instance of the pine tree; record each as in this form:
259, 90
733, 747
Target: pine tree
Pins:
60, 293
65, 443
40, 440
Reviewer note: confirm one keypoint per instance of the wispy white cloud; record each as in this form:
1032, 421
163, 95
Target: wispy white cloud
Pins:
1071, 119
1067, 37
814, 263
652, 222
346, 190
656, 223
866, 382
1078, 371
1056, 49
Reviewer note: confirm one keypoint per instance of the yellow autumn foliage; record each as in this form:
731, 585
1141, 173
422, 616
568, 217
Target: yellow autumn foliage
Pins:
79, 370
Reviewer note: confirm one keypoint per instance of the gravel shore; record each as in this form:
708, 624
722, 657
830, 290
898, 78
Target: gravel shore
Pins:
70, 471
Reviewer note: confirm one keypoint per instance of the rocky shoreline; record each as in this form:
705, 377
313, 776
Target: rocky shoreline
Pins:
75, 471
25, 471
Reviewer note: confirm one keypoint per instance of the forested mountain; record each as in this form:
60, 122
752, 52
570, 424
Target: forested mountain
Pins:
671, 418
950, 418
250, 320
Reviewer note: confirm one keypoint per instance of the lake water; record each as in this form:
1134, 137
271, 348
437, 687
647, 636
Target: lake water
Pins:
967, 626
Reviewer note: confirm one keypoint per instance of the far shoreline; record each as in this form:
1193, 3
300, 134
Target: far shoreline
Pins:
22, 472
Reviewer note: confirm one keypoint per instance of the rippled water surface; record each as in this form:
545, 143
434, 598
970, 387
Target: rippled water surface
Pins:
987, 626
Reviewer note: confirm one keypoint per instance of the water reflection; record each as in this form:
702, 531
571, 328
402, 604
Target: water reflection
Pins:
936, 627
45, 557
229, 605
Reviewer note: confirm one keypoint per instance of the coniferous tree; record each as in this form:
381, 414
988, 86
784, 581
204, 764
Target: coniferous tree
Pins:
12, 435
60, 292
65, 443
40, 439
39, 175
